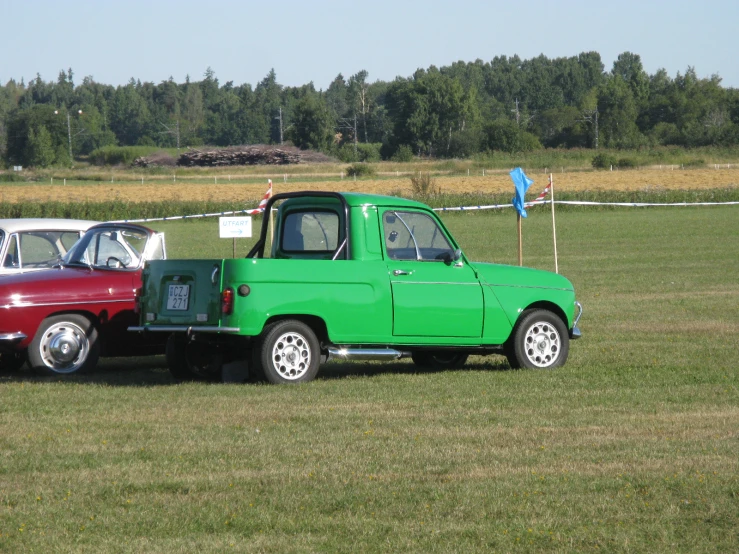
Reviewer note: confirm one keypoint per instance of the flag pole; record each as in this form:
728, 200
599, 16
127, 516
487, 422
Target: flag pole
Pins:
520, 242
554, 227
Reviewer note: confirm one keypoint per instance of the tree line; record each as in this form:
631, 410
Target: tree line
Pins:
455, 111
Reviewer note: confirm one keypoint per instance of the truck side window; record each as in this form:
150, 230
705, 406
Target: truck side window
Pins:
414, 236
311, 231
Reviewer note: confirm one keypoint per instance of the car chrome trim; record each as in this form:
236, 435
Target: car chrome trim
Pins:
22, 304
12, 337
579, 315
508, 285
575, 331
366, 353
394, 282
184, 329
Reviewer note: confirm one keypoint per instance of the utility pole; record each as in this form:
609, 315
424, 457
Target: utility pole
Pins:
591, 116
175, 132
350, 124
69, 132
280, 118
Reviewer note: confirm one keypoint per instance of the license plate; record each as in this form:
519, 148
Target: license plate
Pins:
179, 297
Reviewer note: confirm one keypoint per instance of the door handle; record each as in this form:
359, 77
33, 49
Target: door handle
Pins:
401, 272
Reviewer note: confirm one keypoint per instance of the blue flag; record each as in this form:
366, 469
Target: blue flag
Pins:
522, 184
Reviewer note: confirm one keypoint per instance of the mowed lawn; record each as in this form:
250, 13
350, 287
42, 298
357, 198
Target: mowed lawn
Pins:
633, 446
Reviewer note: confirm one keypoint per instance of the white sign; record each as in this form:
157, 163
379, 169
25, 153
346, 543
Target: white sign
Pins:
234, 227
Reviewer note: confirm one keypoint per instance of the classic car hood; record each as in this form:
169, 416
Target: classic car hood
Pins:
514, 276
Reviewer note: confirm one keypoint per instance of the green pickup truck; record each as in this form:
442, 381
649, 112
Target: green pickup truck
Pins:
350, 275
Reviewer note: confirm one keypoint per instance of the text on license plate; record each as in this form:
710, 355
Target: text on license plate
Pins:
178, 298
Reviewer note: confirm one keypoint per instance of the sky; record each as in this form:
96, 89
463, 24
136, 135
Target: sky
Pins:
315, 40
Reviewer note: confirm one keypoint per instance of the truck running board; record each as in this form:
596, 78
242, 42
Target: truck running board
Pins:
366, 353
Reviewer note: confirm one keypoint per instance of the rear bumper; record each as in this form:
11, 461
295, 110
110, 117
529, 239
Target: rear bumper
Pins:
183, 329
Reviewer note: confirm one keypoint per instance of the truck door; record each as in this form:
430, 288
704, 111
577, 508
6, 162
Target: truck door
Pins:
435, 293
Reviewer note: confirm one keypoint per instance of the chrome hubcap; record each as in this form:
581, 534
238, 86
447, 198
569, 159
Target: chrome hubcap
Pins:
64, 347
542, 344
291, 356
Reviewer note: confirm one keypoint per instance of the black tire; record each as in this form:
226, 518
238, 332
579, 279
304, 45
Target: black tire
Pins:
289, 352
174, 352
539, 341
63, 345
204, 360
11, 360
439, 359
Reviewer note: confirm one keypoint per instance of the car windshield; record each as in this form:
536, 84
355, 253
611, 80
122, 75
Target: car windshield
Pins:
108, 247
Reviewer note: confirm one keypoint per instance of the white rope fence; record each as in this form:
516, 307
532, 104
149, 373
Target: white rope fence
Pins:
462, 208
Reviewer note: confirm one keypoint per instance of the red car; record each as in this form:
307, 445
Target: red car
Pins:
62, 319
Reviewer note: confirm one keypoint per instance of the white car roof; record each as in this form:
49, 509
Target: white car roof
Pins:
44, 224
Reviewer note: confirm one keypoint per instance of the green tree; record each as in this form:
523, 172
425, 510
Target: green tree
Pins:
40, 151
129, 116
20, 124
274, 118
617, 115
506, 136
313, 126
628, 66
428, 110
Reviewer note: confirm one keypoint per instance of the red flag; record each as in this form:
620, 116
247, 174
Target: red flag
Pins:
544, 192
263, 201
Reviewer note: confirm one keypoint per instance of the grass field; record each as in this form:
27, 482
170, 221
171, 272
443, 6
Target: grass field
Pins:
633, 446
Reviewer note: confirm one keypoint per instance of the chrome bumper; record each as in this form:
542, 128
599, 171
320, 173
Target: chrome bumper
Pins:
183, 329
575, 331
12, 337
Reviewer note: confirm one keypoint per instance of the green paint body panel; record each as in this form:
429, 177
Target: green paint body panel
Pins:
370, 299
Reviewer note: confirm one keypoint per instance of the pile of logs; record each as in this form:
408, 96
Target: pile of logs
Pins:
241, 155
157, 159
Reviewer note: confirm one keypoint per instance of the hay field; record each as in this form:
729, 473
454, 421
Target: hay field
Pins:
157, 189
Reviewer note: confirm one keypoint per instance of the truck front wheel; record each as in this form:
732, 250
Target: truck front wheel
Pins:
289, 352
539, 340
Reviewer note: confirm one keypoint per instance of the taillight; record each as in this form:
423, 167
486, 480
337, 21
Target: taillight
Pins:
227, 301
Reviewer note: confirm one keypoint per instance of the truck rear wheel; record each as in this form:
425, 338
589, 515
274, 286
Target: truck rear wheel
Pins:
176, 359
289, 352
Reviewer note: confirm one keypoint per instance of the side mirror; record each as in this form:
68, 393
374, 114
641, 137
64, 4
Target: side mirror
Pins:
451, 257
